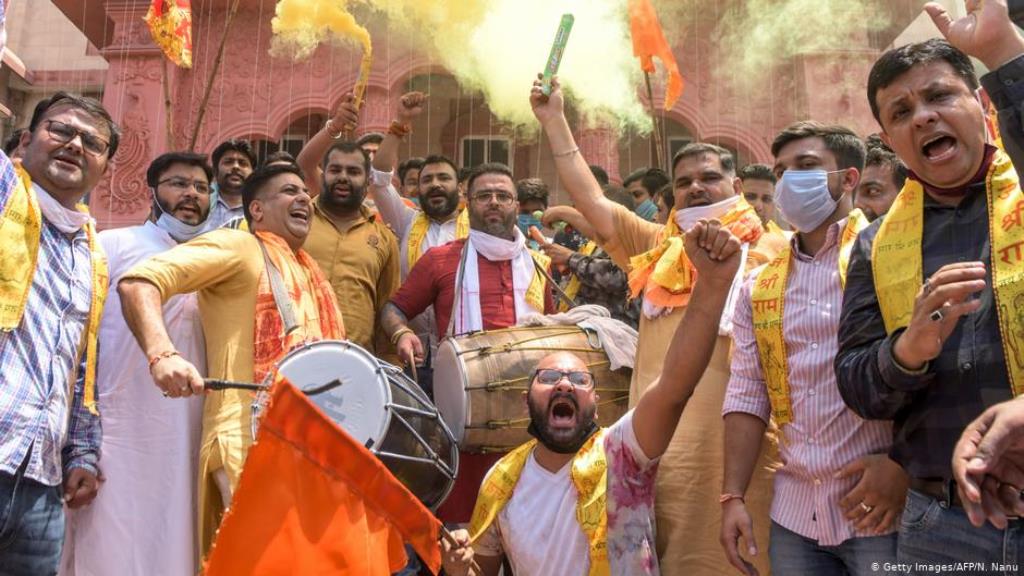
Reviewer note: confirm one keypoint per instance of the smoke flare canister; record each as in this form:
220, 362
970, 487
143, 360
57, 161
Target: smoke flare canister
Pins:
557, 49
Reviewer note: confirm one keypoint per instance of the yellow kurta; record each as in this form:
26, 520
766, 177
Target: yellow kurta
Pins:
690, 473
225, 267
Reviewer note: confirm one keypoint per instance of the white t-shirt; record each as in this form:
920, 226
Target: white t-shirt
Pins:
537, 530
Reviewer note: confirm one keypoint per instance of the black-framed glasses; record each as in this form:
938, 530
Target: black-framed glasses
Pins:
551, 377
65, 133
183, 184
502, 198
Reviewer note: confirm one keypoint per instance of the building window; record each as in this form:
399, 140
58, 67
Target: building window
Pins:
675, 144
477, 150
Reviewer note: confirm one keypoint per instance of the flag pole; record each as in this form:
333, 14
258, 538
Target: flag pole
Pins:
213, 75
659, 146
168, 108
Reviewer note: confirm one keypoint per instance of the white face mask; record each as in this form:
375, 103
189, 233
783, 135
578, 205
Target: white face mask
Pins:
180, 231
804, 199
687, 217
66, 220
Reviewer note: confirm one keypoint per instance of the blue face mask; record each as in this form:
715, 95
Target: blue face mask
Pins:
647, 210
804, 199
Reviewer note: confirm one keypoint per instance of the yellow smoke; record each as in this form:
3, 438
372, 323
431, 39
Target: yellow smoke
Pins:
494, 46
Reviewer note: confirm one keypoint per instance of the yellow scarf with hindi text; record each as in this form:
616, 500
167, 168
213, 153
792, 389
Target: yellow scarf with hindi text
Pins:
589, 476
21, 226
897, 261
767, 298
420, 225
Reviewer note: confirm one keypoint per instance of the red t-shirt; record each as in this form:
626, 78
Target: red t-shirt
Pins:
432, 282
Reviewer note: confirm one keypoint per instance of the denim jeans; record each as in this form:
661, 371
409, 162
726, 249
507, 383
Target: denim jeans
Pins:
31, 526
933, 534
796, 555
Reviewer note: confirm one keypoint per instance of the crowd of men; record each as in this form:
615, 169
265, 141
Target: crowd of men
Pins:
830, 347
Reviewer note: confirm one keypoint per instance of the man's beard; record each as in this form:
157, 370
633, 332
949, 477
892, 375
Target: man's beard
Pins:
504, 229
445, 210
561, 441
355, 198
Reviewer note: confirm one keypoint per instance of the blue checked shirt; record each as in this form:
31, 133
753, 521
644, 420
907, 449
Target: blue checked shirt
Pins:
37, 360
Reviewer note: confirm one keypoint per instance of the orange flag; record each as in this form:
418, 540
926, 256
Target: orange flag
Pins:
170, 24
649, 42
311, 500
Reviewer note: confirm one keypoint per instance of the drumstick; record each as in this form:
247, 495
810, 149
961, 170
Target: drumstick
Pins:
214, 384
447, 537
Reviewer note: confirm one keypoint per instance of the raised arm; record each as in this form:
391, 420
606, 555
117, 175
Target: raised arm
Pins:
715, 253
572, 168
345, 120
570, 216
389, 202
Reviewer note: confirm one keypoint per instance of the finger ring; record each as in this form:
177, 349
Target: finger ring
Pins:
866, 508
936, 316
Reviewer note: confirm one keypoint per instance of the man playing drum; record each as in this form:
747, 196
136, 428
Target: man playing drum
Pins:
579, 498
259, 294
487, 281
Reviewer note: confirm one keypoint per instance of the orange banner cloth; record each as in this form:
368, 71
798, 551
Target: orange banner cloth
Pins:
170, 23
649, 42
311, 500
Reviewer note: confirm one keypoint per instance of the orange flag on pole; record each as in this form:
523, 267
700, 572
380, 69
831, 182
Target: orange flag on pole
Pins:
649, 42
311, 500
170, 23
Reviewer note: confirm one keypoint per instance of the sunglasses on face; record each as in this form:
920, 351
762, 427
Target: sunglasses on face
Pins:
551, 377
65, 133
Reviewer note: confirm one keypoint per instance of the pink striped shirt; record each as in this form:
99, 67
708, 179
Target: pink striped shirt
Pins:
824, 434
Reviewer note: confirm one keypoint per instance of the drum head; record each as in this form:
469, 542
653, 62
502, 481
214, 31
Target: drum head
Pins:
358, 404
450, 388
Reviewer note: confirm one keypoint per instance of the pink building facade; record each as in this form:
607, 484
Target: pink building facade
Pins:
281, 103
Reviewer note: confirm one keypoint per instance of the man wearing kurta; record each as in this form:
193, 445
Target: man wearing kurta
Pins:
243, 327
687, 504
150, 443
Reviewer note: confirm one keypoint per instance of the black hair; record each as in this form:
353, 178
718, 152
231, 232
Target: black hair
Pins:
652, 179
90, 106
619, 195
410, 164
842, 142
757, 172
668, 196
725, 158
488, 168
255, 183
12, 142
279, 156
881, 155
233, 145
600, 174
370, 138
464, 173
164, 161
347, 148
439, 159
898, 61
532, 189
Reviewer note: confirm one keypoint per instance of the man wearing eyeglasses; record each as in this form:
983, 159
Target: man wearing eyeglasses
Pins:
579, 499
487, 281
53, 281
150, 442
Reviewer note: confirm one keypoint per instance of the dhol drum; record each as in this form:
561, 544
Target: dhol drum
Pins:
479, 380
379, 406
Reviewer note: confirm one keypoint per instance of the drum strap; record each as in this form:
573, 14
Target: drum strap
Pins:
284, 305
558, 289
457, 300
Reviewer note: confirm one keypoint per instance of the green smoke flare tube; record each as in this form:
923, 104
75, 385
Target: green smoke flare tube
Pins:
557, 49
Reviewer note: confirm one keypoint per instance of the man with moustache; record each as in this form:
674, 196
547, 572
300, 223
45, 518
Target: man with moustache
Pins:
837, 494
501, 282
883, 178
930, 330
706, 186
245, 325
150, 443
355, 249
579, 499
233, 162
53, 282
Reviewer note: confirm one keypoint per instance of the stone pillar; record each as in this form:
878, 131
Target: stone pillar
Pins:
600, 145
133, 95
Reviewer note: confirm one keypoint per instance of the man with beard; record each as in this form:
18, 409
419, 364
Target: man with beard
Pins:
930, 335
487, 281
705, 183
150, 442
231, 272
579, 499
233, 162
54, 282
355, 249
883, 178
837, 494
